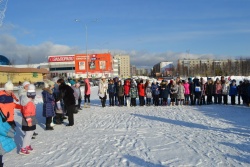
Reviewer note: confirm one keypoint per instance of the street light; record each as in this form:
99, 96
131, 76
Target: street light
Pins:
86, 45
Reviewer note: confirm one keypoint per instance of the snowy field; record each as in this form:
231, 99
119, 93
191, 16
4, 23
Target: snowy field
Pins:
206, 136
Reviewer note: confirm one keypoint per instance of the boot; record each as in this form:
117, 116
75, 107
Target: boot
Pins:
29, 148
88, 105
24, 151
48, 127
85, 105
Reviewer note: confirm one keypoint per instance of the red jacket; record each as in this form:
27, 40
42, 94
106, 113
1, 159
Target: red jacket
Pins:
126, 88
141, 89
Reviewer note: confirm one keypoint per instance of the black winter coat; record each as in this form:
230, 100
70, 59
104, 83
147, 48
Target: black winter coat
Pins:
210, 89
67, 94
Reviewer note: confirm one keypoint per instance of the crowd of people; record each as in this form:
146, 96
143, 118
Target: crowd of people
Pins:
196, 91
62, 99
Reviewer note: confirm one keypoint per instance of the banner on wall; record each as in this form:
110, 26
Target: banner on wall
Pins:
94, 63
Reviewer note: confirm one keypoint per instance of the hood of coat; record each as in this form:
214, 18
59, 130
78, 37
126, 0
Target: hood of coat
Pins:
48, 90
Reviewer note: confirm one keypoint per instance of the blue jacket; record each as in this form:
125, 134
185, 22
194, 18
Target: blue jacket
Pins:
6, 136
233, 90
111, 88
155, 89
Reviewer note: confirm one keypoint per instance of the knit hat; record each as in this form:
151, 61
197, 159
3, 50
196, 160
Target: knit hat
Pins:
31, 92
9, 86
26, 83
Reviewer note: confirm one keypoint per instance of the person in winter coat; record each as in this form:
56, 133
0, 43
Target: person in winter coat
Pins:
197, 91
225, 91
210, 91
76, 94
7, 133
248, 93
173, 93
233, 92
180, 93
22, 93
126, 92
133, 94
67, 95
153, 87
141, 92
203, 91
244, 95
148, 92
79, 93
111, 92
7, 104
29, 120
239, 91
156, 94
48, 103
164, 92
102, 90
217, 92
59, 106
116, 79
191, 89
120, 93
87, 93
187, 92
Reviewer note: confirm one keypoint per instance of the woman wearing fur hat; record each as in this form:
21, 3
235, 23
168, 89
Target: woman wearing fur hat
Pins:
48, 103
7, 104
29, 120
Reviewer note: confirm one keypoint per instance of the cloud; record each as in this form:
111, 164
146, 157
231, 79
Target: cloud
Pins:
21, 54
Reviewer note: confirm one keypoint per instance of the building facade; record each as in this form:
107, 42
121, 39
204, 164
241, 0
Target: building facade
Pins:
16, 75
163, 69
81, 66
211, 67
124, 65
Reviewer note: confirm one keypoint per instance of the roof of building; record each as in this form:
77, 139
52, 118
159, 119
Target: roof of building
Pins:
23, 70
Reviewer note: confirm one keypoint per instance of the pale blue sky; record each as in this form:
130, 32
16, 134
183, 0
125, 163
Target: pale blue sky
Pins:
165, 29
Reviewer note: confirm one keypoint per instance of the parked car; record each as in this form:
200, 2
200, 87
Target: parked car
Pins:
39, 84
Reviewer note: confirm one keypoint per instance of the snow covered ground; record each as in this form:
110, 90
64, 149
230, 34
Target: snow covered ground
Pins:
209, 135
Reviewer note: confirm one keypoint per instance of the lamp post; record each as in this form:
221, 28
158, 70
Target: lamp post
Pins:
86, 45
